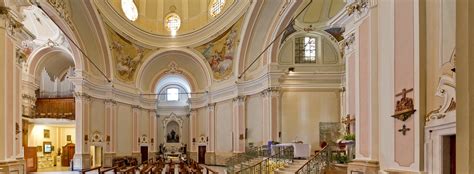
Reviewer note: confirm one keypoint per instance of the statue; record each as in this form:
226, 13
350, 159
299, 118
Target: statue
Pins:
172, 137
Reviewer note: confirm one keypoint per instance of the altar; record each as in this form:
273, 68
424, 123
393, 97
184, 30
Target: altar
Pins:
300, 150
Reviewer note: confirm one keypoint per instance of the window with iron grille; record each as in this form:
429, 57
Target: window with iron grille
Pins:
305, 50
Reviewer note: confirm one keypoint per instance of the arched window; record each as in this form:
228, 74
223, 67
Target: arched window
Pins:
130, 9
216, 7
172, 94
172, 23
305, 50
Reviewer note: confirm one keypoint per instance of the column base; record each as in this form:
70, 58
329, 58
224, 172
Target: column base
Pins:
15, 166
108, 159
364, 166
81, 161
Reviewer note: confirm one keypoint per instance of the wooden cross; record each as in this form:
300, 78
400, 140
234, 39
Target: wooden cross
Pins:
347, 121
404, 92
404, 130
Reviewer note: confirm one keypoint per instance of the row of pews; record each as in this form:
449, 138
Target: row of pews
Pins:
158, 166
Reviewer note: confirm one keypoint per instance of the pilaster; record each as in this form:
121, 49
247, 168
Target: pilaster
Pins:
82, 157
238, 125
192, 130
135, 126
211, 129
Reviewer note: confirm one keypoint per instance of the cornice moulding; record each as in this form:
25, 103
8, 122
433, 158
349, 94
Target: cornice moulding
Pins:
150, 40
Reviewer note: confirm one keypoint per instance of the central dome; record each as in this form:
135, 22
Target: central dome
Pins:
156, 16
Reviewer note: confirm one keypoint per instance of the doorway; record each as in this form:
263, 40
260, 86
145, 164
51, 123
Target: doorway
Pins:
449, 154
96, 155
144, 153
202, 154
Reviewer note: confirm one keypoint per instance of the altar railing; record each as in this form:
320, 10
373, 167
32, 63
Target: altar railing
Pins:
318, 163
281, 157
238, 161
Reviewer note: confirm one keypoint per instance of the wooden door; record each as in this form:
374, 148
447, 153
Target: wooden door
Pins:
144, 152
202, 154
31, 159
68, 154
452, 154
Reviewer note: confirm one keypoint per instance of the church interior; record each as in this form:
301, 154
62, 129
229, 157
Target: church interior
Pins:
236, 86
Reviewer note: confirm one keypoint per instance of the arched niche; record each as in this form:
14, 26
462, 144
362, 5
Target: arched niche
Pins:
173, 123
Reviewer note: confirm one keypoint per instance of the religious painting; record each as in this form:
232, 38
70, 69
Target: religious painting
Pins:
172, 135
46, 133
68, 137
329, 132
220, 52
127, 56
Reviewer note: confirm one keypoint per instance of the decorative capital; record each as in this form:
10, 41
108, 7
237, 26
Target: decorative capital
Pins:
347, 45
110, 101
211, 106
81, 96
359, 6
240, 98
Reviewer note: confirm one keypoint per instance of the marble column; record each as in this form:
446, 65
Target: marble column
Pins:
82, 157
464, 86
238, 126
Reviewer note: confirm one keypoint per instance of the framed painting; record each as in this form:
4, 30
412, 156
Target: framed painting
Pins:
68, 137
46, 133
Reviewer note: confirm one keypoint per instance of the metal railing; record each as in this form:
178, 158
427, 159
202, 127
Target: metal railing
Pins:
318, 163
240, 160
281, 157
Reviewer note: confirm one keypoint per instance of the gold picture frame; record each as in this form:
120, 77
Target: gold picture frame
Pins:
46, 133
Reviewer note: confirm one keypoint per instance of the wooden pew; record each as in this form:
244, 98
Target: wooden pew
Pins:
208, 170
109, 169
91, 169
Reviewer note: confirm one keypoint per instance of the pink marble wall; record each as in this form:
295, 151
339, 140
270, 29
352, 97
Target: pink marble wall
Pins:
404, 77
364, 90
351, 85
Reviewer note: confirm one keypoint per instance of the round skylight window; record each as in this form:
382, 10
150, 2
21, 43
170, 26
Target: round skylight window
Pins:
172, 23
130, 9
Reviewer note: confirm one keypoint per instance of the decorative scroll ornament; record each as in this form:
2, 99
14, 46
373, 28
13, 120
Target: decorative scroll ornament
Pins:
143, 139
97, 137
359, 6
447, 91
404, 107
173, 69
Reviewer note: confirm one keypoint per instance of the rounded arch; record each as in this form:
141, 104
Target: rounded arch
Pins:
182, 79
199, 76
67, 30
36, 58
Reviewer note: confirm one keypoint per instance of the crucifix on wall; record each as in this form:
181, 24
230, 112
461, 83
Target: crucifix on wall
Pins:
404, 130
348, 121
